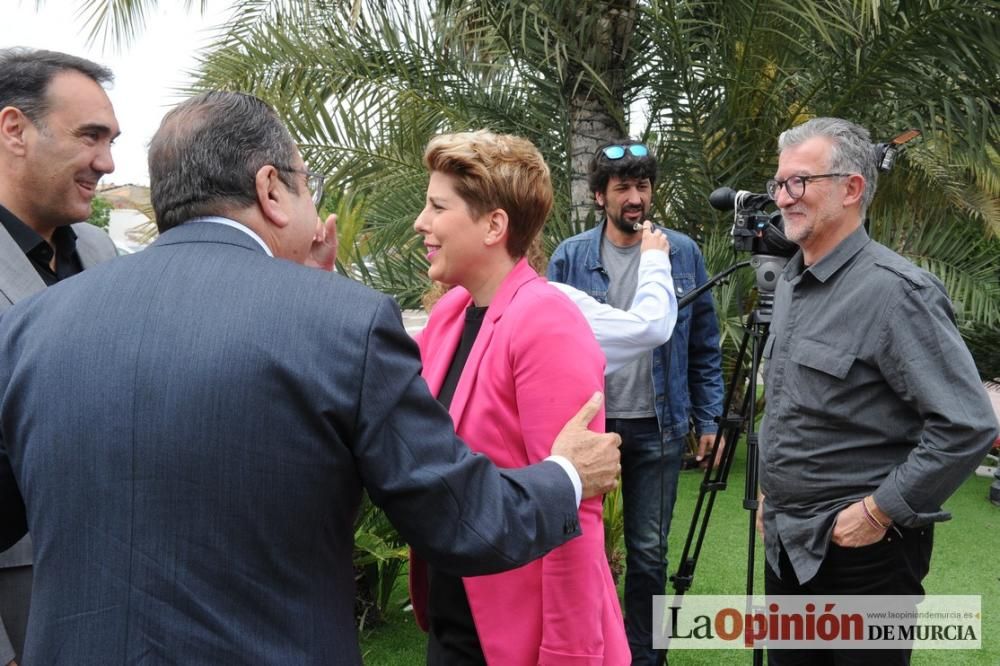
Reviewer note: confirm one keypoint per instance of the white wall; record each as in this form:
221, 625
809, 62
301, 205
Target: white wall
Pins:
123, 226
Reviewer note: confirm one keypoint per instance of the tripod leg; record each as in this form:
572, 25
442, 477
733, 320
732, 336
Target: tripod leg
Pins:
714, 479
750, 492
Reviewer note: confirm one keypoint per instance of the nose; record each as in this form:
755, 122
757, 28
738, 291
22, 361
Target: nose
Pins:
783, 200
420, 224
103, 162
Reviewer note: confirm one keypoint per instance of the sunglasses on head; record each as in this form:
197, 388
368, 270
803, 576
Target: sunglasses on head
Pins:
618, 152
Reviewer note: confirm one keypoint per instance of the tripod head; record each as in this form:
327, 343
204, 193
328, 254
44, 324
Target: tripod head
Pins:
767, 268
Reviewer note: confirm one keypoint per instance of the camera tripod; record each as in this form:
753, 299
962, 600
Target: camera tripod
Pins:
732, 423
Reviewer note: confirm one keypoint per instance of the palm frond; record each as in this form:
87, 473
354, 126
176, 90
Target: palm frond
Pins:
117, 23
363, 84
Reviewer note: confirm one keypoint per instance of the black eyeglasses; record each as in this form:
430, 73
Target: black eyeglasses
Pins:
796, 185
618, 152
314, 182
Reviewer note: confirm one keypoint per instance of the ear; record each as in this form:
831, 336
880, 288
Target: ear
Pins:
271, 196
855, 190
496, 229
13, 124
599, 199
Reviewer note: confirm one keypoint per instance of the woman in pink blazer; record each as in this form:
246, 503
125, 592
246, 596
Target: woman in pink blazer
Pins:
512, 358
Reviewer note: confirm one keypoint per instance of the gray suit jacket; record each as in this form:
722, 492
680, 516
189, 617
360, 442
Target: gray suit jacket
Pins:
18, 280
192, 494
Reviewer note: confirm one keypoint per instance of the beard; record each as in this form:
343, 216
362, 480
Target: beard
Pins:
624, 225
798, 231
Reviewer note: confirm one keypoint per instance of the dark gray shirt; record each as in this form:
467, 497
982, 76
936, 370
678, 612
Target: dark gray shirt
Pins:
870, 390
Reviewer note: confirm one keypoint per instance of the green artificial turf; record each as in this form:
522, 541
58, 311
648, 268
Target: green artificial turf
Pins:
966, 561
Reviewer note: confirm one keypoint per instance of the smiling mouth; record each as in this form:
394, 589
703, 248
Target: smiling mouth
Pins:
88, 186
431, 250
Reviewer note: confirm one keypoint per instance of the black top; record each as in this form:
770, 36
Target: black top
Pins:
39, 252
473, 322
453, 638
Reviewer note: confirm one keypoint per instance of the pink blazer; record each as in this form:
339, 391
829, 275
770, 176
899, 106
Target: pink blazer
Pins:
534, 363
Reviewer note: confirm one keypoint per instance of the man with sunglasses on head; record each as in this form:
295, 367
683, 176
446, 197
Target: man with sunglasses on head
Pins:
653, 401
875, 413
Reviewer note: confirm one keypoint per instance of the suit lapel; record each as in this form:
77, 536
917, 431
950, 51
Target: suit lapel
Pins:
519, 275
18, 278
436, 366
90, 254
470, 373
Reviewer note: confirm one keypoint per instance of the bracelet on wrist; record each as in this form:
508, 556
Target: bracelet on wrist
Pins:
870, 517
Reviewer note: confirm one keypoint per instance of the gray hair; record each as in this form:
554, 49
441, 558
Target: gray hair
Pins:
25, 75
851, 152
204, 158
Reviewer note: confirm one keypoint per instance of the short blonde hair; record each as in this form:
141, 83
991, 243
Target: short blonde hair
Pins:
497, 171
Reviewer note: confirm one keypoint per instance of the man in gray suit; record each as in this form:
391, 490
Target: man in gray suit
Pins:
56, 128
191, 481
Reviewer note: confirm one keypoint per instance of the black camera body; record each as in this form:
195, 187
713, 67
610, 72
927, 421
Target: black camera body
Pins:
754, 229
750, 229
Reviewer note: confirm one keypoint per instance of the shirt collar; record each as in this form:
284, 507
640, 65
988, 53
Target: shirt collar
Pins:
824, 269
225, 221
64, 238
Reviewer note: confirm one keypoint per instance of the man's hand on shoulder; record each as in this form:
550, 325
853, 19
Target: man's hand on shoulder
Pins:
595, 455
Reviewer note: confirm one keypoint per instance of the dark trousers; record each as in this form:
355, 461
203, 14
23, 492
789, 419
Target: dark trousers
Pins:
896, 565
650, 468
15, 600
453, 639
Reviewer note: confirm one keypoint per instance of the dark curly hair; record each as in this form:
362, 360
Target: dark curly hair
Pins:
602, 168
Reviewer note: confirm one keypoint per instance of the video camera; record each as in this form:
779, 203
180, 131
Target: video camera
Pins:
754, 230
761, 234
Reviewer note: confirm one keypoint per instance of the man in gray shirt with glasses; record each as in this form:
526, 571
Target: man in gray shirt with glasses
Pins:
875, 413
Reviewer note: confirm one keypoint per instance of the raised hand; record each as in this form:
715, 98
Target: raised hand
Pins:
653, 239
323, 253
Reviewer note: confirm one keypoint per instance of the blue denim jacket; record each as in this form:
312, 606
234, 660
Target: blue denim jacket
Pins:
687, 373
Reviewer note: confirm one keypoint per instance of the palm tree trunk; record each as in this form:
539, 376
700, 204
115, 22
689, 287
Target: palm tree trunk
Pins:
596, 110
590, 126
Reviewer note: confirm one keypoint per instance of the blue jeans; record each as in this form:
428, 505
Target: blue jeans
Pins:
650, 467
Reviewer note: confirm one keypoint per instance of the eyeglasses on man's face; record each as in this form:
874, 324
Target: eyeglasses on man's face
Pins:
795, 186
314, 182
618, 152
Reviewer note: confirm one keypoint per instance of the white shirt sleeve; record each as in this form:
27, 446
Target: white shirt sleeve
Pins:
573, 475
625, 335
